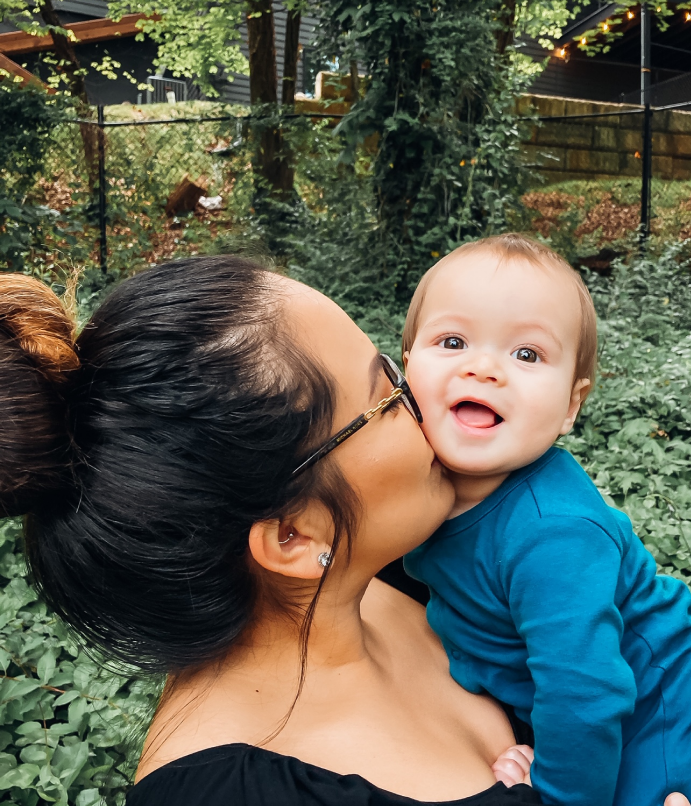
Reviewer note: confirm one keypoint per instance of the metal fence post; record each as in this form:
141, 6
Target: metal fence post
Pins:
102, 241
647, 172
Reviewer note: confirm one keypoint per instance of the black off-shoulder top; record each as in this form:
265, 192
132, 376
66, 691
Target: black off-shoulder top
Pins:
243, 775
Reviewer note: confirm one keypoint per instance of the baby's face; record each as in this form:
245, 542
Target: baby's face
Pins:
492, 365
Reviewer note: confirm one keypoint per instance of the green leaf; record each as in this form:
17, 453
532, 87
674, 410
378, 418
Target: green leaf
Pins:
66, 698
68, 761
22, 777
36, 754
46, 666
88, 797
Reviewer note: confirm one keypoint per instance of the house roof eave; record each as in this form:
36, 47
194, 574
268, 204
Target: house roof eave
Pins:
583, 25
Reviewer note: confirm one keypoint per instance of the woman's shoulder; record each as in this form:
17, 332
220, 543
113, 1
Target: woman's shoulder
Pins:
252, 776
217, 707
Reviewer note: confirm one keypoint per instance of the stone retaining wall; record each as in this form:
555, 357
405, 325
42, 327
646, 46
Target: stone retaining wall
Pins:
603, 148
589, 148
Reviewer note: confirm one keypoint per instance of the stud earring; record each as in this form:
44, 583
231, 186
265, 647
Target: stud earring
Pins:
291, 535
324, 559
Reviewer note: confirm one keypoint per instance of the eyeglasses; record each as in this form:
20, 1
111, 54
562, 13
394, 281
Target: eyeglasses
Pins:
401, 391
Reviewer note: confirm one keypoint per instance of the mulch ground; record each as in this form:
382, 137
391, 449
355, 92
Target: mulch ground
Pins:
612, 219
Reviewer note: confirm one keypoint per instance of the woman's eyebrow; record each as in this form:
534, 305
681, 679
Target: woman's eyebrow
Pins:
375, 369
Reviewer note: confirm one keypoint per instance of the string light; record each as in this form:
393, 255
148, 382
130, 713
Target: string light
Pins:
605, 26
561, 52
688, 16
584, 41
630, 14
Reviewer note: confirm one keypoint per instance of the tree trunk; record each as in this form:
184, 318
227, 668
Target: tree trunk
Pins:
354, 82
507, 22
64, 50
69, 65
270, 163
290, 64
261, 39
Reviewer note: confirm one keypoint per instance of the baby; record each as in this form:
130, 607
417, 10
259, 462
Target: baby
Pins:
540, 592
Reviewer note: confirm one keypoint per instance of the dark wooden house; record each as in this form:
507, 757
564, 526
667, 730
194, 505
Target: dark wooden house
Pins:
98, 36
615, 76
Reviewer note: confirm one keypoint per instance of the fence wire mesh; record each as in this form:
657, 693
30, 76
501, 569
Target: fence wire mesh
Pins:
589, 164
144, 164
586, 166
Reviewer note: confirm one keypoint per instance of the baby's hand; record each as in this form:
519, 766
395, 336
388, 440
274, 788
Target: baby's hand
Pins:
513, 765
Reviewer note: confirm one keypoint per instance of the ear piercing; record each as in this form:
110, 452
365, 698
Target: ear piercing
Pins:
324, 559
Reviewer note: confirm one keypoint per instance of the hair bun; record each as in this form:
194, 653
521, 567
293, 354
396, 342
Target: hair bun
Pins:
31, 314
36, 356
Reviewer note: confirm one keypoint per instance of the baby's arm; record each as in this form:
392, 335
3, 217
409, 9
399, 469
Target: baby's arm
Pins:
560, 578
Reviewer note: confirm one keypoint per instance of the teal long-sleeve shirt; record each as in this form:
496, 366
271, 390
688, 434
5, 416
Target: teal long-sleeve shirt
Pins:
544, 598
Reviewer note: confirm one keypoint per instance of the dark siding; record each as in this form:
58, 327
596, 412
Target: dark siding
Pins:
135, 57
590, 78
83, 8
71, 11
237, 91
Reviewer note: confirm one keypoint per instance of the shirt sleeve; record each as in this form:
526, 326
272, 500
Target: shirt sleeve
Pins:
560, 578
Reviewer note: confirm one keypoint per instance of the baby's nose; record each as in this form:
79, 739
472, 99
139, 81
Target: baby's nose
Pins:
486, 369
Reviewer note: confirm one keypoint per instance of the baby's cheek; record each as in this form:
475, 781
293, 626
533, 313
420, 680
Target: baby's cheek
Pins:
440, 436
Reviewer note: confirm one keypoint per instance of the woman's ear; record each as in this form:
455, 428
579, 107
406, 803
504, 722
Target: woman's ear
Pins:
292, 548
578, 393
406, 356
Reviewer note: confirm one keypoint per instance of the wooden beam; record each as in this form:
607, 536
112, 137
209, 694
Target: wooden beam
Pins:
99, 30
14, 69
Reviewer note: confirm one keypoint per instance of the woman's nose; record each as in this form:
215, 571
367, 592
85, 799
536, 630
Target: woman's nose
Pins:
486, 369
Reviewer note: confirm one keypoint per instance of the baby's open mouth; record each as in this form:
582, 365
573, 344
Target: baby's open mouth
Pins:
476, 415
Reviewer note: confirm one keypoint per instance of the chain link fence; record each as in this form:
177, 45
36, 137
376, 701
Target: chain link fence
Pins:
121, 186
605, 174
131, 191
128, 191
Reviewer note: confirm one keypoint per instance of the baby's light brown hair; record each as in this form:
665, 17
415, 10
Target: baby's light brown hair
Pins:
509, 246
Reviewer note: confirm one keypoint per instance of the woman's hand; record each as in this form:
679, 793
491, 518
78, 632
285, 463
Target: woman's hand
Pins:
513, 767
675, 799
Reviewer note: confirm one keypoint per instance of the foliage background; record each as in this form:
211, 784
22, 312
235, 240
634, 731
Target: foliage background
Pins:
70, 725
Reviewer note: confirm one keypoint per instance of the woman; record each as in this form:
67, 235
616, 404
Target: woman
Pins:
189, 513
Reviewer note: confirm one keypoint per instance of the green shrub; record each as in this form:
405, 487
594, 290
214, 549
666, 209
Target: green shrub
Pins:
28, 118
70, 727
634, 434
440, 98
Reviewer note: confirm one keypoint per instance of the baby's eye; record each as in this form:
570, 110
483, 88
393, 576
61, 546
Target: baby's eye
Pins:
526, 354
453, 343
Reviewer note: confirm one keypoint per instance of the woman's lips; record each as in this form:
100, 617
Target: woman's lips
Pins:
475, 417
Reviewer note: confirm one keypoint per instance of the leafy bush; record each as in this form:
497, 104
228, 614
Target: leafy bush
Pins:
28, 117
634, 434
440, 99
69, 726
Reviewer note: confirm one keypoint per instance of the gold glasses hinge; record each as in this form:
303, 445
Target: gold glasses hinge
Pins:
397, 392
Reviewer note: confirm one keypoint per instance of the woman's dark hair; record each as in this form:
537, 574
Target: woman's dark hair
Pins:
189, 410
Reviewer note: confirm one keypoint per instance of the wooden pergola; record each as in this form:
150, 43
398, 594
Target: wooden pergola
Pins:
19, 43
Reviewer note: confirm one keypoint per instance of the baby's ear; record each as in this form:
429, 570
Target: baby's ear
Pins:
578, 395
